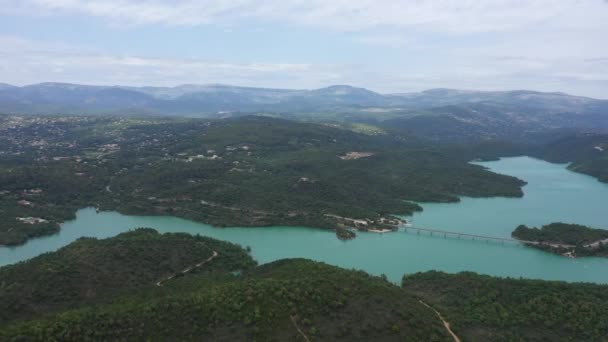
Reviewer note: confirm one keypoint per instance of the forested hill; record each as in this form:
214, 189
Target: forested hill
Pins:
288, 300
484, 308
587, 153
89, 270
248, 171
142, 285
566, 239
216, 99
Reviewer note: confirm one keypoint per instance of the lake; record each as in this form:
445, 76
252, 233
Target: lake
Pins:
553, 194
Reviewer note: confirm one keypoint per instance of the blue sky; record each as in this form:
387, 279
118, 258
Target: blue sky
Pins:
383, 45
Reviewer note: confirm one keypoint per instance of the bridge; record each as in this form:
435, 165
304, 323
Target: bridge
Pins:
446, 233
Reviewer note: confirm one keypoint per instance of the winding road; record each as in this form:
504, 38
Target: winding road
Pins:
446, 324
295, 324
189, 269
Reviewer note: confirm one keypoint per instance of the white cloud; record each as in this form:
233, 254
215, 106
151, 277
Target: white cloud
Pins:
483, 44
386, 40
455, 16
25, 61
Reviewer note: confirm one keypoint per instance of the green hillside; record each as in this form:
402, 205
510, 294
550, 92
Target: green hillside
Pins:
284, 300
109, 290
484, 308
89, 270
587, 153
249, 171
562, 238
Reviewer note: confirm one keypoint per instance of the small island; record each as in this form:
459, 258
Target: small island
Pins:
346, 226
345, 234
569, 240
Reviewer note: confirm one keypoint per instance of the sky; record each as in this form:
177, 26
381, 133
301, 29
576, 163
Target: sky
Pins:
389, 46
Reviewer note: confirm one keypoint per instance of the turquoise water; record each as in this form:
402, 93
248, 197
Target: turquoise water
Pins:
553, 194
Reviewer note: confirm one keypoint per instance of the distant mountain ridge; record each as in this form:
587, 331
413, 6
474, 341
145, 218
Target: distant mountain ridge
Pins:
442, 96
6, 86
193, 99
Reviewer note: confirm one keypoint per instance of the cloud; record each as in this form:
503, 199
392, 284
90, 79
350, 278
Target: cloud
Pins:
25, 61
556, 45
454, 16
386, 40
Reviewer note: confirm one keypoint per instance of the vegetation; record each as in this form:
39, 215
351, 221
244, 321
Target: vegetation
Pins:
562, 237
484, 308
366, 129
108, 290
48, 191
345, 234
373, 156
249, 171
587, 153
89, 270
283, 300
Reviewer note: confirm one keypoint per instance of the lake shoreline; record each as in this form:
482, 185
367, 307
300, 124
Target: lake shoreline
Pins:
398, 253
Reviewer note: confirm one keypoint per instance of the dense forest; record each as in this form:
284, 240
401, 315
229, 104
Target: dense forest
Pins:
294, 300
586, 152
89, 269
248, 171
561, 238
484, 308
109, 289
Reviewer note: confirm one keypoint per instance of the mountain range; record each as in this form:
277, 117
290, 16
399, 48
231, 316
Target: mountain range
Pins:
441, 115
51, 98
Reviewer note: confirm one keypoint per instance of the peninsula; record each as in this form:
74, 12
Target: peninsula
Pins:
249, 171
569, 240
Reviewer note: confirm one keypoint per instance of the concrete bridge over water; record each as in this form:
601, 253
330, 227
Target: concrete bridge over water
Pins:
487, 238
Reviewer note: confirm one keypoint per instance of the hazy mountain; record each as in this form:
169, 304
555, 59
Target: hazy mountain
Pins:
484, 121
443, 113
48, 98
6, 86
342, 94
264, 95
532, 99
51, 98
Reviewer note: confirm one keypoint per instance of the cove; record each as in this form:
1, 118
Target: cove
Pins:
553, 194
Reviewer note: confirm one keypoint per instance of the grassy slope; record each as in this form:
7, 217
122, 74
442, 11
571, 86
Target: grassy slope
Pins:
484, 308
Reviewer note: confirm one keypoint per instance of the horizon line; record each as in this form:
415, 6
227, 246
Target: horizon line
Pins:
298, 89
